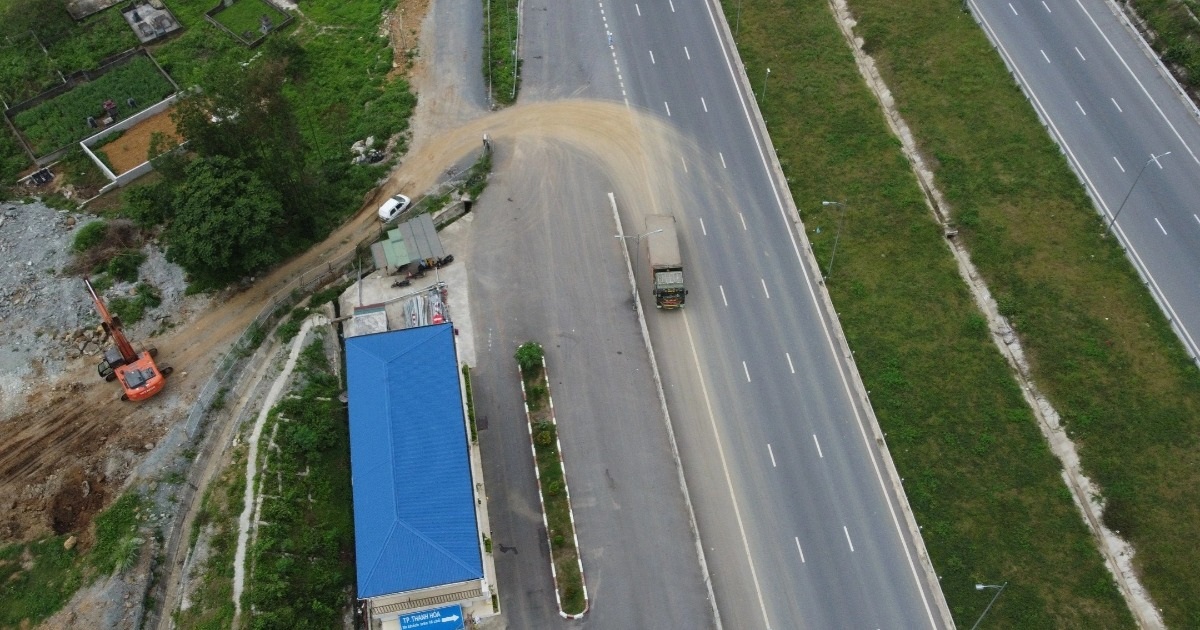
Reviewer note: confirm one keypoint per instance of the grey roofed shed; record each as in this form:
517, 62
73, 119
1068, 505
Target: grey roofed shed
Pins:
409, 242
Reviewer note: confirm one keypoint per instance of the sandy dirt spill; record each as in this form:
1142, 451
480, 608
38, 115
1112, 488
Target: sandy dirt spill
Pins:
71, 452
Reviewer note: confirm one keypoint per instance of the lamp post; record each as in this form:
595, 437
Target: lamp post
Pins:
1153, 158
999, 589
837, 237
763, 98
637, 254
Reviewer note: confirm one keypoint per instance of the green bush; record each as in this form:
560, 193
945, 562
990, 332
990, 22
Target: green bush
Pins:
124, 266
89, 236
529, 356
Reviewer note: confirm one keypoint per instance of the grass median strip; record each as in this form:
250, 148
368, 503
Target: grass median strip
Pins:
552, 482
1099, 346
981, 480
501, 66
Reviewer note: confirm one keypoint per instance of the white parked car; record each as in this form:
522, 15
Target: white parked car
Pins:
393, 207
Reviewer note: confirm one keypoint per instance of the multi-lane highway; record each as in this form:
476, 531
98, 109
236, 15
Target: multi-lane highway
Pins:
1125, 128
802, 525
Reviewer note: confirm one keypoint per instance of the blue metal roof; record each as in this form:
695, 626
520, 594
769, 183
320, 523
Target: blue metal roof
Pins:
414, 509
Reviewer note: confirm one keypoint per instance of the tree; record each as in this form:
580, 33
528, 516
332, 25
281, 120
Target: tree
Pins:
227, 222
248, 118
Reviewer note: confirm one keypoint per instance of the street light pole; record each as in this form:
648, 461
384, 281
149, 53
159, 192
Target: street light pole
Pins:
763, 98
1153, 158
637, 254
980, 587
838, 236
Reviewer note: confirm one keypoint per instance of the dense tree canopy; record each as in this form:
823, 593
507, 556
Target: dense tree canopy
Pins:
226, 221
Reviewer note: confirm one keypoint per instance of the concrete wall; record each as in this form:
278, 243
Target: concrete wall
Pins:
137, 171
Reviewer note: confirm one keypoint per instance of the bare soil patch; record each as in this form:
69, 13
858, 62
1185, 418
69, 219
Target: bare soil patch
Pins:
131, 148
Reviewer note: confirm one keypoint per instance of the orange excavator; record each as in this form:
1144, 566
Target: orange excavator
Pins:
138, 374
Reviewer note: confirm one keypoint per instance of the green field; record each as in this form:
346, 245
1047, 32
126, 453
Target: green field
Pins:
63, 119
981, 480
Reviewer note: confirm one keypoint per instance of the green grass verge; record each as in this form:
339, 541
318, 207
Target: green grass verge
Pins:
501, 67
39, 577
981, 480
552, 483
1177, 34
1098, 344
303, 556
466, 372
212, 598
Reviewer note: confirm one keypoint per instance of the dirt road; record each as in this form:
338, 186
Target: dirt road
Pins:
71, 452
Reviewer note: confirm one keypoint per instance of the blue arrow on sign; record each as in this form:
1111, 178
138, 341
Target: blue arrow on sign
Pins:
444, 618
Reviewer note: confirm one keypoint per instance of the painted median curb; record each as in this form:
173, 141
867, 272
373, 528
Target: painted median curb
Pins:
542, 500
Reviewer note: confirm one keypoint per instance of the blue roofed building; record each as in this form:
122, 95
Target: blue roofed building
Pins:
416, 523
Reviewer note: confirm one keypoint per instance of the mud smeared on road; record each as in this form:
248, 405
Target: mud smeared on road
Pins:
82, 425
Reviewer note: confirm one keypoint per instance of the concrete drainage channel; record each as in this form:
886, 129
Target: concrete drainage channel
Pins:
1117, 553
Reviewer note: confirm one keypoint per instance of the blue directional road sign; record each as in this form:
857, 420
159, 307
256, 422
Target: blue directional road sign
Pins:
444, 618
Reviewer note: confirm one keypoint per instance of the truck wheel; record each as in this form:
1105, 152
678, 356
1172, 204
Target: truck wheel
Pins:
124, 396
110, 378
167, 371
153, 352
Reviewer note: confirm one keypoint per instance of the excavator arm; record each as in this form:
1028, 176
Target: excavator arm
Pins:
112, 326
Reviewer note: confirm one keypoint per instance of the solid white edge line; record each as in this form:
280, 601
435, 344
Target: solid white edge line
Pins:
1138, 81
1161, 296
904, 541
737, 512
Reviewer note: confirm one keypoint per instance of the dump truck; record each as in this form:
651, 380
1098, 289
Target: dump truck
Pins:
139, 375
666, 265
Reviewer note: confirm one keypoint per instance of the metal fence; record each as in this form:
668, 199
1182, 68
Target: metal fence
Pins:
233, 362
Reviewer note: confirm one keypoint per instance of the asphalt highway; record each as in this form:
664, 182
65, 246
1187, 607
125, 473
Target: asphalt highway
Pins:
1125, 128
802, 525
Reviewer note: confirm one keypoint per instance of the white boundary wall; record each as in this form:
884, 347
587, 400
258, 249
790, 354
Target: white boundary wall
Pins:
137, 171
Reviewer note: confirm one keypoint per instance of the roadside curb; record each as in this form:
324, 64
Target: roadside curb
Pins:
662, 400
848, 369
587, 604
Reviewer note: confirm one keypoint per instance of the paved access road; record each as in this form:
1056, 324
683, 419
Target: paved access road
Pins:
1117, 116
801, 524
